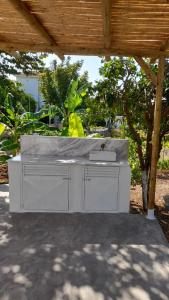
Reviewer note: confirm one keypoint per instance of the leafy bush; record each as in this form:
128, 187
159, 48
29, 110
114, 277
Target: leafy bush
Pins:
163, 164
7, 86
50, 132
134, 164
18, 124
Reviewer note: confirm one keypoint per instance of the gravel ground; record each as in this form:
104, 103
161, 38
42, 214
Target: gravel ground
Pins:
162, 196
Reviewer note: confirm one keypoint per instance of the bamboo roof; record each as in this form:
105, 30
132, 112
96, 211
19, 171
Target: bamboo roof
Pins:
86, 27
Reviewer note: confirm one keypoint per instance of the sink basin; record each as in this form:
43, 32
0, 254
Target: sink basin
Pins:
102, 155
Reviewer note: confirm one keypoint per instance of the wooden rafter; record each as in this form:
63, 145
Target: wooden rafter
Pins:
73, 50
106, 11
165, 46
34, 22
146, 68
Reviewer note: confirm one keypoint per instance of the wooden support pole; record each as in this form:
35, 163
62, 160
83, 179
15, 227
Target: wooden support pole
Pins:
146, 68
156, 134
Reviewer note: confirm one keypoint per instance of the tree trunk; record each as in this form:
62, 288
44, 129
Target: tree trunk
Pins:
144, 188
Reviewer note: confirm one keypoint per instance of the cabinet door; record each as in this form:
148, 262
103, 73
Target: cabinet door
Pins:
101, 194
48, 193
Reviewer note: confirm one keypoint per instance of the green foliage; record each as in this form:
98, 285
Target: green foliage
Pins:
64, 88
55, 83
134, 163
166, 142
163, 164
50, 132
97, 112
17, 124
2, 128
7, 86
75, 126
21, 62
73, 99
128, 89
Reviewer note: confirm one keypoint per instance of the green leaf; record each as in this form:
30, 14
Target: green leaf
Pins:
10, 147
32, 126
4, 158
5, 120
75, 126
8, 105
2, 128
6, 143
28, 116
65, 132
73, 97
83, 93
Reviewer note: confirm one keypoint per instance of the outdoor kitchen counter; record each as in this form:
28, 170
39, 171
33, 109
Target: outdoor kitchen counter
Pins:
64, 160
55, 174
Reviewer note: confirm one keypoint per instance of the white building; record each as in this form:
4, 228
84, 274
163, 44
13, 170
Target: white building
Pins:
31, 85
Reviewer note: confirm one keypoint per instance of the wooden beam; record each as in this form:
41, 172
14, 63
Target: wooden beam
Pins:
146, 68
77, 49
107, 58
156, 134
106, 11
165, 46
34, 22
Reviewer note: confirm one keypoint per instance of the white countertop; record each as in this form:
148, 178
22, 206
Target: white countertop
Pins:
64, 160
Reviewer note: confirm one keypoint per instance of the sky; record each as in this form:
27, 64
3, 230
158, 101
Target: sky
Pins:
91, 64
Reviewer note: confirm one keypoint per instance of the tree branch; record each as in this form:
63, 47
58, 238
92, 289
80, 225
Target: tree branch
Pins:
134, 133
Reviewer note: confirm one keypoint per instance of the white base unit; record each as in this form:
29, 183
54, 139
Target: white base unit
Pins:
52, 194
51, 187
101, 189
45, 188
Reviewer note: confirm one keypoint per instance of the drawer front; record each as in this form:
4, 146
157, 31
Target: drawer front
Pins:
101, 171
45, 170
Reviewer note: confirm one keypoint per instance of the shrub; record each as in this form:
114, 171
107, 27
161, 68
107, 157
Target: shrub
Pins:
163, 164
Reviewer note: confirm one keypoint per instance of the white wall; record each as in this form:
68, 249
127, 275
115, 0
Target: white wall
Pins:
30, 85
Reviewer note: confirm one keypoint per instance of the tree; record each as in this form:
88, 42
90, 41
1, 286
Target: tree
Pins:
55, 82
21, 62
134, 96
7, 86
100, 105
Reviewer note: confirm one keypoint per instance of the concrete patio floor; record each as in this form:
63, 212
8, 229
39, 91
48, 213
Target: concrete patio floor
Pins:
81, 257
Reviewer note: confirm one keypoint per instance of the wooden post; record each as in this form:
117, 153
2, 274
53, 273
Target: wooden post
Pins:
155, 138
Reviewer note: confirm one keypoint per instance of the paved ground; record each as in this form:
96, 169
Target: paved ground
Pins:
81, 257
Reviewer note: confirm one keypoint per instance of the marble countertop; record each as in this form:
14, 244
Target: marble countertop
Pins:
39, 159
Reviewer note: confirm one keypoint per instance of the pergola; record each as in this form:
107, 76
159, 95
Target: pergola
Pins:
94, 27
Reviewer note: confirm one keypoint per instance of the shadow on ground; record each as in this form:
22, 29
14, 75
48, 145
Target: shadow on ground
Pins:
81, 257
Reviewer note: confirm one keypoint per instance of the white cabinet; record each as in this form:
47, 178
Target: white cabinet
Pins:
45, 188
101, 189
62, 187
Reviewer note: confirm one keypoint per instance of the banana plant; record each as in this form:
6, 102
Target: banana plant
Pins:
16, 124
73, 100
